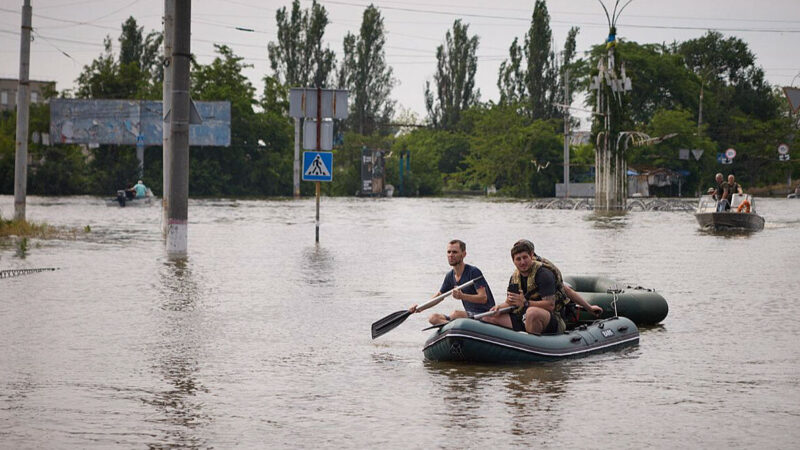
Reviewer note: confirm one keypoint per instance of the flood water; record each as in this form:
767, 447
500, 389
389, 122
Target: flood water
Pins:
261, 339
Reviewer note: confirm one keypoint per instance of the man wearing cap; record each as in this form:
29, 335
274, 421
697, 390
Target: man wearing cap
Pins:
476, 298
538, 293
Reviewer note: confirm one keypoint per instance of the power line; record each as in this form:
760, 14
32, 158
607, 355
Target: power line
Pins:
525, 19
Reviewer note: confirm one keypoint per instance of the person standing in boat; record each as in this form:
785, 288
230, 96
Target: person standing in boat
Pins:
476, 298
722, 194
539, 294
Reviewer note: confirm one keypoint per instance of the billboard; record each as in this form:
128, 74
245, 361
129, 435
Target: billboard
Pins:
122, 122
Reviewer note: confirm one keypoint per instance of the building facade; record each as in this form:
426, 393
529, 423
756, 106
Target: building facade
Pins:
8, 92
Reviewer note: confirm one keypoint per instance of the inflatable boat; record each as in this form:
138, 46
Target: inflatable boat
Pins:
641, 305
474, 341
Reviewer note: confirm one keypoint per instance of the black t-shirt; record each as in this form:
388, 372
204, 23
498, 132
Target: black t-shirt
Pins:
721, 188
470, 273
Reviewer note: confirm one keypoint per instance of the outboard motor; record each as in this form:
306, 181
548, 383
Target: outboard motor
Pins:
121, 197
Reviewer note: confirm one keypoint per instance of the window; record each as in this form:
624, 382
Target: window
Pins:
4, 98
34, 97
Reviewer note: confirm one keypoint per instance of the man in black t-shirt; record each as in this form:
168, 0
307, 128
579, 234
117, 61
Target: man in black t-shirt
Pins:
476, 298
538, 293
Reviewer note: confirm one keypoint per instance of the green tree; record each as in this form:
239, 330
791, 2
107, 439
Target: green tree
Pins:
541, 78
530, 77
511, 80
134, 74
145, 52
258, 160
508, 150
298, 58
454, 78
365, 73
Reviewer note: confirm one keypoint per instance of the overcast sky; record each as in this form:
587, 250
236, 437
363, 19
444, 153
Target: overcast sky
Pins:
68, 34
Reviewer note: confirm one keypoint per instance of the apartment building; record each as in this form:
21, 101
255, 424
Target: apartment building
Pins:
8, 92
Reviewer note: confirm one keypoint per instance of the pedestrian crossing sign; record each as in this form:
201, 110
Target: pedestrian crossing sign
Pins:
317, 166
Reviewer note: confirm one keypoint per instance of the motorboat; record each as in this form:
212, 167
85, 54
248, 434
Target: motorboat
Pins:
741, 215
124, 199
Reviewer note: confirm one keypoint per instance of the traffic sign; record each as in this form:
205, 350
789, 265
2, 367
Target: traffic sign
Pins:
783, 149
317, 166
783, 157
793, 95
722, 159
730, 153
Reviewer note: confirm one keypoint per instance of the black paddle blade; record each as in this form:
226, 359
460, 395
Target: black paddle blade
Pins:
435, 326
388, 323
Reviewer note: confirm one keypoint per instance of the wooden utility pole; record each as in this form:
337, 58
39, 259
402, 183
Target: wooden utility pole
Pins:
169, 25
178, 208
23, 106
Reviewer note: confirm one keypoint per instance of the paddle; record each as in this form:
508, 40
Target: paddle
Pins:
388, 323
475, 316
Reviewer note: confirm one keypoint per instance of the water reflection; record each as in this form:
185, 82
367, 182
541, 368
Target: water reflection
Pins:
318, 263
176, 357
608, 219
531, 394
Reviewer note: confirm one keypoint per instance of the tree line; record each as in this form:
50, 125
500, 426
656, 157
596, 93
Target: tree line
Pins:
514, 142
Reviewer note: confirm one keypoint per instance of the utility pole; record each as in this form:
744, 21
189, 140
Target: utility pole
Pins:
566, 133
166, 95
23, 104
177, 232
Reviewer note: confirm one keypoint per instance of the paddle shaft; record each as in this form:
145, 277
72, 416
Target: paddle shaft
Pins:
436, 300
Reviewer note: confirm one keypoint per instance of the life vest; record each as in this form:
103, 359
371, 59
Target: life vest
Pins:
531, 290
744, 205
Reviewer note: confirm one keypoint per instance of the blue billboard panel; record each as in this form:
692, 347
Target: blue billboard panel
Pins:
126, 122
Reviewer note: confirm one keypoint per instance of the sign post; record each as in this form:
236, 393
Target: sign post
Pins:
316, 103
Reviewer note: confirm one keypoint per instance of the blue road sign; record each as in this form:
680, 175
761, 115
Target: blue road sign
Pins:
317, 166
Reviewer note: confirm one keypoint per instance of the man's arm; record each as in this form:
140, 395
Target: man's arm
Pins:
480, 298
575, 297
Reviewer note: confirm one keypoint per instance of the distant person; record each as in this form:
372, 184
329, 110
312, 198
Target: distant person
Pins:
722, 194
476, 298
139, 190
733, 186
539, 293
130, 192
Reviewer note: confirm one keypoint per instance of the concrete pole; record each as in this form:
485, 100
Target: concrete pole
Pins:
169, 25
296, 174
23, 99
566, 134
178, 209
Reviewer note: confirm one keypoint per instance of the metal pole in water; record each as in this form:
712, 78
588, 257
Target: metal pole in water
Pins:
317, 221
179, 132
319, 147
23, 99
296, 170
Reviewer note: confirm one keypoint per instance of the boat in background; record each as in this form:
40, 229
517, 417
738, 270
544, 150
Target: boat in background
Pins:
124, 200
741, 216
644, 306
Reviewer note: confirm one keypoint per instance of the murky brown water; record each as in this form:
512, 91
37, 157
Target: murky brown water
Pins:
261, 339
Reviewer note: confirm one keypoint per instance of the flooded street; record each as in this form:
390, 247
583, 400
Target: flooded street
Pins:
261, 339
